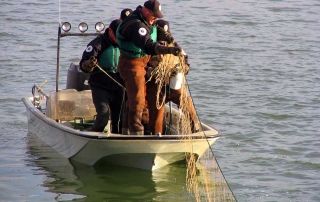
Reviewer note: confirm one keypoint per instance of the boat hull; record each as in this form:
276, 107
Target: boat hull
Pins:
148, 152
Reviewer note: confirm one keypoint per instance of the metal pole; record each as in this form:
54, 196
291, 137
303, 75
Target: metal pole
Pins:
58, 59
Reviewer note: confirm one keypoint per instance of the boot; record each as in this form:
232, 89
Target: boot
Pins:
137, 133
125, 131
135, 125
145, 121
101, 122
125, 124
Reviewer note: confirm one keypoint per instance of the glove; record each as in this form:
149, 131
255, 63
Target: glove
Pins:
89, 65
178, 49
169, 38
175, 50
159, 49
154, 61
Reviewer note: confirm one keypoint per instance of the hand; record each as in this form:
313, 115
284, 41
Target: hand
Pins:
178, 48
93, 61
176, 44
175, 50
159, 49
90, 64
169, 38
154, 61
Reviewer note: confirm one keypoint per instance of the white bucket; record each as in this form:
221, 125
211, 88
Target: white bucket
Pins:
176, 81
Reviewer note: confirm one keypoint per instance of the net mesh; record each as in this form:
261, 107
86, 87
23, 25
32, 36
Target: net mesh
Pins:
204, 180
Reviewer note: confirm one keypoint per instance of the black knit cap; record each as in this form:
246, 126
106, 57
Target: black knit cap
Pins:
114, 25
125, 13
163, 24
155, 7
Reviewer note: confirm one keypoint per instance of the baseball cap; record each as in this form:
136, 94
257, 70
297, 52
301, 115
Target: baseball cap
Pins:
155, 7
125, 13
114, 25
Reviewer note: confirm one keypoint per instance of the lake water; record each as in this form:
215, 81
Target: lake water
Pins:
254, 75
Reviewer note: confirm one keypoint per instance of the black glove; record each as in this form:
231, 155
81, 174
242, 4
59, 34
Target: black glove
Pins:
89, 65
178, 49
169, 38
175, 50
159, 49
154, 61
176, 45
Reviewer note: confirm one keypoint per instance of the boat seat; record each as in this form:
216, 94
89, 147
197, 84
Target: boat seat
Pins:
70, 104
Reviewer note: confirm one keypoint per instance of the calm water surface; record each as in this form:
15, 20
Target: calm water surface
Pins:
254, 75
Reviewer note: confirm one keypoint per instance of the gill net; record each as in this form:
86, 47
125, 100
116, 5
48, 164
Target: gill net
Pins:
204, 178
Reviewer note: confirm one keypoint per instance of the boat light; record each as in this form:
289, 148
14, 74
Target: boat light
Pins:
99, 26
66, 26
83, 27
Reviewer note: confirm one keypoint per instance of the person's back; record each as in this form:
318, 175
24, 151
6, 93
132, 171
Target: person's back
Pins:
106, 91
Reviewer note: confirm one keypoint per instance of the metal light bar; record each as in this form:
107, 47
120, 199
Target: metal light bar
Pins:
83, 27
66, 27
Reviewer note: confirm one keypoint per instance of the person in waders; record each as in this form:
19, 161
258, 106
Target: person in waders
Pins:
145, 114
107, 90
137, 39
170, 91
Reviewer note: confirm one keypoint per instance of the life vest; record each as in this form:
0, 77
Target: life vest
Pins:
128, 47
108, 60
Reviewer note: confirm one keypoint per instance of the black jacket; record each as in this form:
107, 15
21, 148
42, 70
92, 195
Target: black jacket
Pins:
98, 78
131, 32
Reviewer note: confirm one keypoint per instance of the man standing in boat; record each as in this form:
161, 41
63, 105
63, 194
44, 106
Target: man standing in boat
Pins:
137, 36
107, 89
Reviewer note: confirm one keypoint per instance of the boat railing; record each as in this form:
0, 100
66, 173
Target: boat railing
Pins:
38, 95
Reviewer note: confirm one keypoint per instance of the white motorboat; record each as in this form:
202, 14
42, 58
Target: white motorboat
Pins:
62, 119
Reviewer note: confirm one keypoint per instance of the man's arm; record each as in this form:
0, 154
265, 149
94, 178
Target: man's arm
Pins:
163, 35
139, 34
90, 55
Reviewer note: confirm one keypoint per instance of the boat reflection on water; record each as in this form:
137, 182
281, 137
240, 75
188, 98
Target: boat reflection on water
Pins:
73, 181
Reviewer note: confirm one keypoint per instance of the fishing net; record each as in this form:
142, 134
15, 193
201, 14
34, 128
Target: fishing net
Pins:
204, 178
